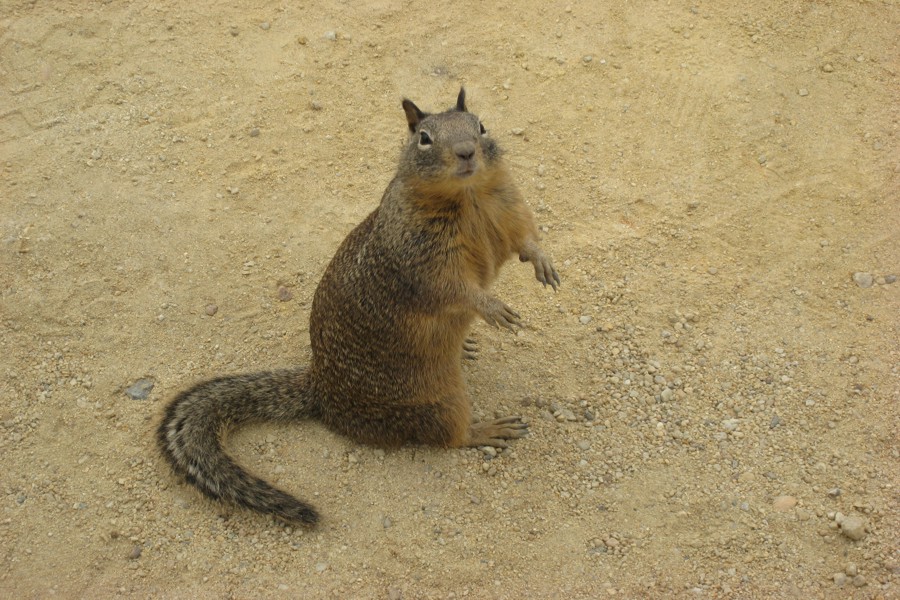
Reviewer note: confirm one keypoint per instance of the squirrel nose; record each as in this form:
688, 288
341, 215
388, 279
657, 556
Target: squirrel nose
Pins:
464, 150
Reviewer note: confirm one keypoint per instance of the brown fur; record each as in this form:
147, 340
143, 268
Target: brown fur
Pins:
388, 322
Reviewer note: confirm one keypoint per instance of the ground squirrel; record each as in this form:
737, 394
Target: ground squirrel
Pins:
389, 320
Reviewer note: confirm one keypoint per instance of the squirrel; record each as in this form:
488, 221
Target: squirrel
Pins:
388, 322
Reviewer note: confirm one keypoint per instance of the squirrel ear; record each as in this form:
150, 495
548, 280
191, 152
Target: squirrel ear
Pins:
461, 100
413, 114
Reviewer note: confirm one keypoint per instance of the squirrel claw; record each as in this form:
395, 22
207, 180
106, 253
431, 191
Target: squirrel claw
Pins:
493, 433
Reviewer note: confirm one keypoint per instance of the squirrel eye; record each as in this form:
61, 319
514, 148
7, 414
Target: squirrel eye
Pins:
483, 130
424, 139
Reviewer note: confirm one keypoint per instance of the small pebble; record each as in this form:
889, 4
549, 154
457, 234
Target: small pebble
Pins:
587, 58
264, 25
863, 280
386, 522
853, 528
828, 68
135, 553
889, 279
851, 570
839, 579
834, 492
784, 503
517, 131
666, 395
583, 444
321, 567
234, 30
394, 593
140, 389
803, 92
730, 424
565, 414
284, 294
330, 35
254, 132
859, 581
211, 310
585, 319
712, 270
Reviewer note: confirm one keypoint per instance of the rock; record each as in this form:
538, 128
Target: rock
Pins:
254, 132
284, 294
828, 68
330, 36
264, 25
803, 92
211, 310
564, 414
140, 389
784, 503
730, 424
666, 395
853, 528
889, 279
839, 579
135, 553
859, 581
394, 593
851, 570
863, 280
585, 319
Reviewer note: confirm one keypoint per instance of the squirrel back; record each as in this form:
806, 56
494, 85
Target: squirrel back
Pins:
389, 319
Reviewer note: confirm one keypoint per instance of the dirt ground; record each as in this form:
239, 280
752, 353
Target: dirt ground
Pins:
713, 397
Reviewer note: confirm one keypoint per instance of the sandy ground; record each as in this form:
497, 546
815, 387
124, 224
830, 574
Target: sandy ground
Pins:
710, 392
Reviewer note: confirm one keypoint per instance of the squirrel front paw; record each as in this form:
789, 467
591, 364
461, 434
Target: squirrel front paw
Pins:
496, 313
544, 271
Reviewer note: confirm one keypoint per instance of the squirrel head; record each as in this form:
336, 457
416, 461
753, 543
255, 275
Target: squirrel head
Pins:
451, 149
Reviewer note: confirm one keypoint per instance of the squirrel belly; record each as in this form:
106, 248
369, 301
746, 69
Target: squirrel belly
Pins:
388, 323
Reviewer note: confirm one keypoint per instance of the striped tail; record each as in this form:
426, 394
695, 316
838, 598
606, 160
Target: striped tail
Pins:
195, 422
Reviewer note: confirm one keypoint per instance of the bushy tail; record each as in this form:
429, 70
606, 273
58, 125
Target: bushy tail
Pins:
191, 431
